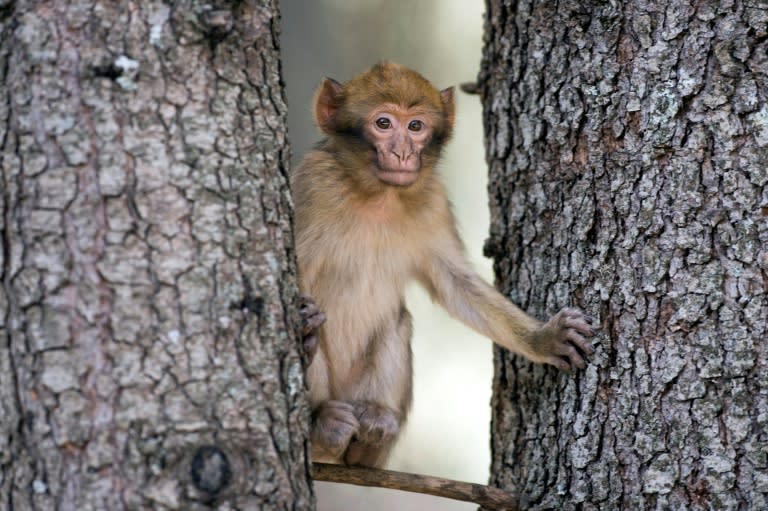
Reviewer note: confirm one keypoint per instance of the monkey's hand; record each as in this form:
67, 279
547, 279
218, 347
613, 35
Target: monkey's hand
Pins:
561, 341
379, 426
333, 425
312, 319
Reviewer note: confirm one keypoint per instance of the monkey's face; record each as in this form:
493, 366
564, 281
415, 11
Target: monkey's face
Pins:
398, 136
390, 119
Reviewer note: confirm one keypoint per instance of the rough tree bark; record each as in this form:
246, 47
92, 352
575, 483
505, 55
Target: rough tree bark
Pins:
148, 351
628, 151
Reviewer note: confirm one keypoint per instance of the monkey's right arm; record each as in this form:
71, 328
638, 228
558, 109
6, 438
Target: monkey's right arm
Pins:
450, 280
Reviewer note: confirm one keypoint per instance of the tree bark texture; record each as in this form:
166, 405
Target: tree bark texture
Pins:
148, 306
628, 152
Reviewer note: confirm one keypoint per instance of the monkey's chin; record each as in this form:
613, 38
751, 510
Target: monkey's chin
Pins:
400, 178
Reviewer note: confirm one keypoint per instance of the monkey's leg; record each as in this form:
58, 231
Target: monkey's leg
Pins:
383, 397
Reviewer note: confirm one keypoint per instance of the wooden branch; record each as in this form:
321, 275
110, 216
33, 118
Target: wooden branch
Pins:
488, 497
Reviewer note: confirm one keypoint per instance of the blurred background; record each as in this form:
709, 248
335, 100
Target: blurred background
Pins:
447, 433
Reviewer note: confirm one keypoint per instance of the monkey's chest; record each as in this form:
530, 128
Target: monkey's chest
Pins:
363, 277
359, 281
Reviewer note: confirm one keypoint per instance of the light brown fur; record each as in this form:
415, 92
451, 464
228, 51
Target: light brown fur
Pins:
360, 240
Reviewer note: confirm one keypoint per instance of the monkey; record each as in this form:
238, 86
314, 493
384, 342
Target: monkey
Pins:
371, 215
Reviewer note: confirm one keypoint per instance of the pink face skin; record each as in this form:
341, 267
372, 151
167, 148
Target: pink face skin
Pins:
399, 135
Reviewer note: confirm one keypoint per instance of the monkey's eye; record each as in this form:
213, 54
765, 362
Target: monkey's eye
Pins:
383, 123
415, 125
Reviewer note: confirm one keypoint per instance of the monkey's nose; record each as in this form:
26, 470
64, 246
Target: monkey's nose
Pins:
403, 154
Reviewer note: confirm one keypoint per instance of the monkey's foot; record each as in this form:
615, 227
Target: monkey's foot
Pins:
334, 424
378, 424
312, 319
564, 334
379, 427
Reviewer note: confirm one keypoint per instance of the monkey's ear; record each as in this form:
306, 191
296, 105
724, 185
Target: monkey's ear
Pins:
449, 106
327, 103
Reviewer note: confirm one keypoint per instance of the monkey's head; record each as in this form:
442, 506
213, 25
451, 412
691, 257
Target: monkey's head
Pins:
398, 119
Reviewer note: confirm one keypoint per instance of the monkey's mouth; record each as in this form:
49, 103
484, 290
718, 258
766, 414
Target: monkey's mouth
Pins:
397, 171
397, 177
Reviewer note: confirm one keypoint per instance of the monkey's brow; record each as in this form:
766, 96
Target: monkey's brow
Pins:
403, 99
415, 106
421, 100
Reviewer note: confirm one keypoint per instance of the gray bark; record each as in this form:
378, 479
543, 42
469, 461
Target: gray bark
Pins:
628, 152
148, 342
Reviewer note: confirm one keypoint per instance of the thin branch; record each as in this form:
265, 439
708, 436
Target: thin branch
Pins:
470, 87
488, 497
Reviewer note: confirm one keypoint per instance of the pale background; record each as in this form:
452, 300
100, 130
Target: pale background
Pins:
447, 430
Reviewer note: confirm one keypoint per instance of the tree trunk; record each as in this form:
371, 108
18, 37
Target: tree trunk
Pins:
628, 151
148, 312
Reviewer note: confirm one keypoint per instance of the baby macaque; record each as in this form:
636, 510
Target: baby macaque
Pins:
372, 215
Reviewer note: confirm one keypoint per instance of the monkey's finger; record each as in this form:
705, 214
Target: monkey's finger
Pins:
306, 300
580, 342
577, 360
558, 362
309, 345
569, 317
313, 322
568, 351
580, 325
309, 310
308, 307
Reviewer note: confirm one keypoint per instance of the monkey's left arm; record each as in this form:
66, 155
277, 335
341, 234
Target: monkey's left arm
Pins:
451, 281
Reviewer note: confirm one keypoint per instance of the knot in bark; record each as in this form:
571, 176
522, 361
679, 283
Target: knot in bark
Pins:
217, 22
210, 469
